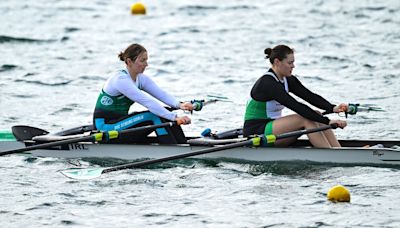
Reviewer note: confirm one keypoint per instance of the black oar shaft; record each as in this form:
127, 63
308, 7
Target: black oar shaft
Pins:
305, 131
248, 142
148, 127
48, 145
89, 138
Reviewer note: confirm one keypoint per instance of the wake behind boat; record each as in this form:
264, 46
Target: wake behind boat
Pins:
355, 152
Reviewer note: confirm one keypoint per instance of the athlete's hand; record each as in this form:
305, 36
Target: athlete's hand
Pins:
183, 120
341, 108
186, 106
341, 123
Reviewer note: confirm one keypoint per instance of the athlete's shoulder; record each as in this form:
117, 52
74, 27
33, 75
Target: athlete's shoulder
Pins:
264, 83
267, 79
293, 79
122, 74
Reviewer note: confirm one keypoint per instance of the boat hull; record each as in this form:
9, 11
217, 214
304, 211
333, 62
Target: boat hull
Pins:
345, 155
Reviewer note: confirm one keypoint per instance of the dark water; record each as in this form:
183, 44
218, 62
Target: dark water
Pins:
55, 56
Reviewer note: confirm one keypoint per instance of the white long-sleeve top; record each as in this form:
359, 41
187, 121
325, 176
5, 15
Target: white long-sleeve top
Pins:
143, 91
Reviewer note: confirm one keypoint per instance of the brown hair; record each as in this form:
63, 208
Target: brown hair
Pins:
132, 52
278, 52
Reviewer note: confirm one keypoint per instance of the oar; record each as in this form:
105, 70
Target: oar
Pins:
219, 98
354, 108
199, 104
91, 173
90, 138
23, 132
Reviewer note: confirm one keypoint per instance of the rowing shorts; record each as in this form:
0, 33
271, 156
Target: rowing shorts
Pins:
258, 127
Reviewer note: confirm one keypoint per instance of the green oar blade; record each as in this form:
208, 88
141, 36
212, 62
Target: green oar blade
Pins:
82, 174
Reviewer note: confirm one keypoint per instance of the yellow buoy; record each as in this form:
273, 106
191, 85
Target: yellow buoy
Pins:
339, 193
138, 8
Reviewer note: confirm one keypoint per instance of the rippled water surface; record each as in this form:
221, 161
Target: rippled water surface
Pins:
55, 56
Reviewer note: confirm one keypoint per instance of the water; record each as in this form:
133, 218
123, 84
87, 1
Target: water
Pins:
57, 54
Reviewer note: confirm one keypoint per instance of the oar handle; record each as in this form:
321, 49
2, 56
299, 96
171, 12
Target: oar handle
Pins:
199, 104
355, 108
352, 109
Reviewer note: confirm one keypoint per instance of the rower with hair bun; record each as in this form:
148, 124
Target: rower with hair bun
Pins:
270, 94
131, 85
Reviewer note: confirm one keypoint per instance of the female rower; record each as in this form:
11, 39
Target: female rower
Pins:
270, 94
130, 85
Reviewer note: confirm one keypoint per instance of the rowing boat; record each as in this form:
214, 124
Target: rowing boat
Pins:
354, 152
